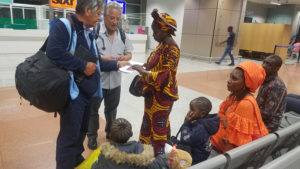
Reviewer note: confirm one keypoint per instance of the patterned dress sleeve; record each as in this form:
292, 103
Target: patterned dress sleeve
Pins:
164, 79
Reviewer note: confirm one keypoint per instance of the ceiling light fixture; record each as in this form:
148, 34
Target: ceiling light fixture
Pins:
275, 3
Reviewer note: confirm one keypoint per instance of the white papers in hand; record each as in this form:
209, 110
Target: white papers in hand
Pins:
128, 68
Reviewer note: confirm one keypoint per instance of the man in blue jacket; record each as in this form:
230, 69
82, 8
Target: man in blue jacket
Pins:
74, 118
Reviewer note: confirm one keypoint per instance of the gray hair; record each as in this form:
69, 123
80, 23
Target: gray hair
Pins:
93, 5
114, 5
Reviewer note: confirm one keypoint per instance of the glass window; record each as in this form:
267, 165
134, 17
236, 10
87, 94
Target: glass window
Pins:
134, 21
47, 14
4, 12
132, 9
17, 13
30, 13
58, 14
134, 1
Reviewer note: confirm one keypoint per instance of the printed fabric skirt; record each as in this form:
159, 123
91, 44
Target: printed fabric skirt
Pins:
155, 127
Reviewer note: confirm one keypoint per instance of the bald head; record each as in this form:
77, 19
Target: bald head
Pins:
272, 64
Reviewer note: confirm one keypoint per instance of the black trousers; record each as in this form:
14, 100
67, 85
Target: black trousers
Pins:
73, 127
111, 99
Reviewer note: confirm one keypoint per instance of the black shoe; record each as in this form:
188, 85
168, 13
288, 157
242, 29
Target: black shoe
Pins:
231, 64
92, 144
217, 63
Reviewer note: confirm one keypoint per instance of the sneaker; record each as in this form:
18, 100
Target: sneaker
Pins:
231, 64
217, 63
92, 144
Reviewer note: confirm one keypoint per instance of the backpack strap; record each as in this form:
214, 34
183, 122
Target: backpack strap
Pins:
98, 29
72, 34
123, 36
122, 33
70, 27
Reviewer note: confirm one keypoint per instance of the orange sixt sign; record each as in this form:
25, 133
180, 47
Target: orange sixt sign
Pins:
63, 3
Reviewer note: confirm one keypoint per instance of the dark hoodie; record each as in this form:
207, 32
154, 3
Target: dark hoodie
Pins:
197, 135
131, 155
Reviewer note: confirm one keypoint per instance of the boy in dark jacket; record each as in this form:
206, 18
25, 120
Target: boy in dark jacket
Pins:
123, 154
198, 127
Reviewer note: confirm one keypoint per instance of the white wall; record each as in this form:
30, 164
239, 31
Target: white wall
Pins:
296, 21
257, 11
174, 8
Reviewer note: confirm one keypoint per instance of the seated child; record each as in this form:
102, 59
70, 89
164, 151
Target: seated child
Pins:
121, 153
198, 127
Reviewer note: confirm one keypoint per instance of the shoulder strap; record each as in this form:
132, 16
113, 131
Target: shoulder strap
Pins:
255, 114
98, 28
70, 27
179, 130
123, 36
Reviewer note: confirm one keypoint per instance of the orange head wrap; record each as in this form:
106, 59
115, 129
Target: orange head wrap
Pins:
164, 22
254, 74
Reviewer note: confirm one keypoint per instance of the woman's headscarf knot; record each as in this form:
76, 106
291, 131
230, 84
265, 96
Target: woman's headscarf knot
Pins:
164, 22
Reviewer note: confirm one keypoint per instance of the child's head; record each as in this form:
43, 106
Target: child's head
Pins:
201, 106
120, 130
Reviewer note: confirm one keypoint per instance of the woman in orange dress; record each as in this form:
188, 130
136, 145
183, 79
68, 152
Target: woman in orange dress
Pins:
241, 121
159, 83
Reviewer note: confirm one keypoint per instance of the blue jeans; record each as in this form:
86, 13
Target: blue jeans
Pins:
227, 51
293, 103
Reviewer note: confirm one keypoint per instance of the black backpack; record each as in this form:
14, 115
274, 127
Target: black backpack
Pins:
42, 83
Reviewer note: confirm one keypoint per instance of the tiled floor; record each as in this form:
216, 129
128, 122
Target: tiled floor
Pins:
28, 136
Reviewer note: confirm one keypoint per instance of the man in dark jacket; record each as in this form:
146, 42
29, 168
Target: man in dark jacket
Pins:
198, 127
271, 95
74, 118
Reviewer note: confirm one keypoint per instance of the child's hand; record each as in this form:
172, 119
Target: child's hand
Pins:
188, 117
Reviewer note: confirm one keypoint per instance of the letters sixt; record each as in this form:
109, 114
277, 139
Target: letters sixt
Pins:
63, 2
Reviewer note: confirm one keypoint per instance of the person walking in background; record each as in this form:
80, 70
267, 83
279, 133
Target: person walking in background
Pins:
241, 121
271, 95
229, 46
114, 45
159, 83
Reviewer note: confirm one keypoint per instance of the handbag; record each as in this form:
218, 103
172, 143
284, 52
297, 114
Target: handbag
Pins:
136, 87
173, 140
